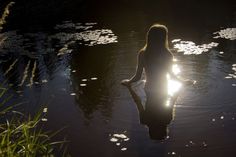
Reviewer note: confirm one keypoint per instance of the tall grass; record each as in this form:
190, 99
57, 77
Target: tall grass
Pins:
20, 135
20, 139
23, 136
5, 14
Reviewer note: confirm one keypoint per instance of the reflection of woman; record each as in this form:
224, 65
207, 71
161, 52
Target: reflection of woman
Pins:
155, 115
156, 59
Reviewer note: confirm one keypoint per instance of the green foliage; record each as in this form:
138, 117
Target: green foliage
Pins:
23, 136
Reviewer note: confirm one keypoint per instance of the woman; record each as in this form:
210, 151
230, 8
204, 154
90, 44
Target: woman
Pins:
156, 59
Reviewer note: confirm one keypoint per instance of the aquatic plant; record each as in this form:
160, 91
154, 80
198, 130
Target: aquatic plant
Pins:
191, 48
227, 33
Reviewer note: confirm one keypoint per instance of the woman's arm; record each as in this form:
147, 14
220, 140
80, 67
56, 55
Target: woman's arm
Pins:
139, 71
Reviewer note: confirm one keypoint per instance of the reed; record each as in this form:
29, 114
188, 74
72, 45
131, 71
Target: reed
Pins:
20, 135
23, 136
5, 14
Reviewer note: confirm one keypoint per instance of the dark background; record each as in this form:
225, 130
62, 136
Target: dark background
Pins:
32, 15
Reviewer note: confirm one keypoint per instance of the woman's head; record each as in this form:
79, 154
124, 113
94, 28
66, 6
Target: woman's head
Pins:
157, 37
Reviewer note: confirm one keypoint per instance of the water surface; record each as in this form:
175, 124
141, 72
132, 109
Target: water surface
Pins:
74, 73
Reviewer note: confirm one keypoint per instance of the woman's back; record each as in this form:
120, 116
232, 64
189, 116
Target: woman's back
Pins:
156, 67
156, 59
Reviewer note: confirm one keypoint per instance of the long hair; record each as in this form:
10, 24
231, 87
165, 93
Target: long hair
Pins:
157, 39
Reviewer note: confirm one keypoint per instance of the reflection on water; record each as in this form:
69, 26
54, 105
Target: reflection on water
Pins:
36, 54
69, 35
10, 67
189, 47
173, 85
35, 44
192, 144
70, 25
119, 140
228, 33
155, 111
82, 81
25, 74
232, 75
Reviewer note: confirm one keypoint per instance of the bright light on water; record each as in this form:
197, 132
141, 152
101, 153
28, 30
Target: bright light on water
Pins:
168, 102
176, 69
119, 140
173, 85
191, 48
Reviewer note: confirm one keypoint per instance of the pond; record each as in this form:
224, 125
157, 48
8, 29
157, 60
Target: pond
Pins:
74, 70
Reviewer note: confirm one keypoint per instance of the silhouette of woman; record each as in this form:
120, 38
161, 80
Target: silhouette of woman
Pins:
156, 60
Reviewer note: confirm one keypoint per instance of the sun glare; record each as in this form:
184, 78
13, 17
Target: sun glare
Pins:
168, 102
173, 85
175, 69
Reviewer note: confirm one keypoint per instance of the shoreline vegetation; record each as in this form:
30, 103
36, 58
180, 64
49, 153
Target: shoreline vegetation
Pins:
23, 135
5, 14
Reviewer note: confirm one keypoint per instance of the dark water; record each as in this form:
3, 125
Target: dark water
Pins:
72, 66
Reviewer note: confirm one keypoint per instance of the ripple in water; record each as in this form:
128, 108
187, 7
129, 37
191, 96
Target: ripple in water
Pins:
119, 139
35, 46
228, 33
232, 75
71, 33
189, 47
